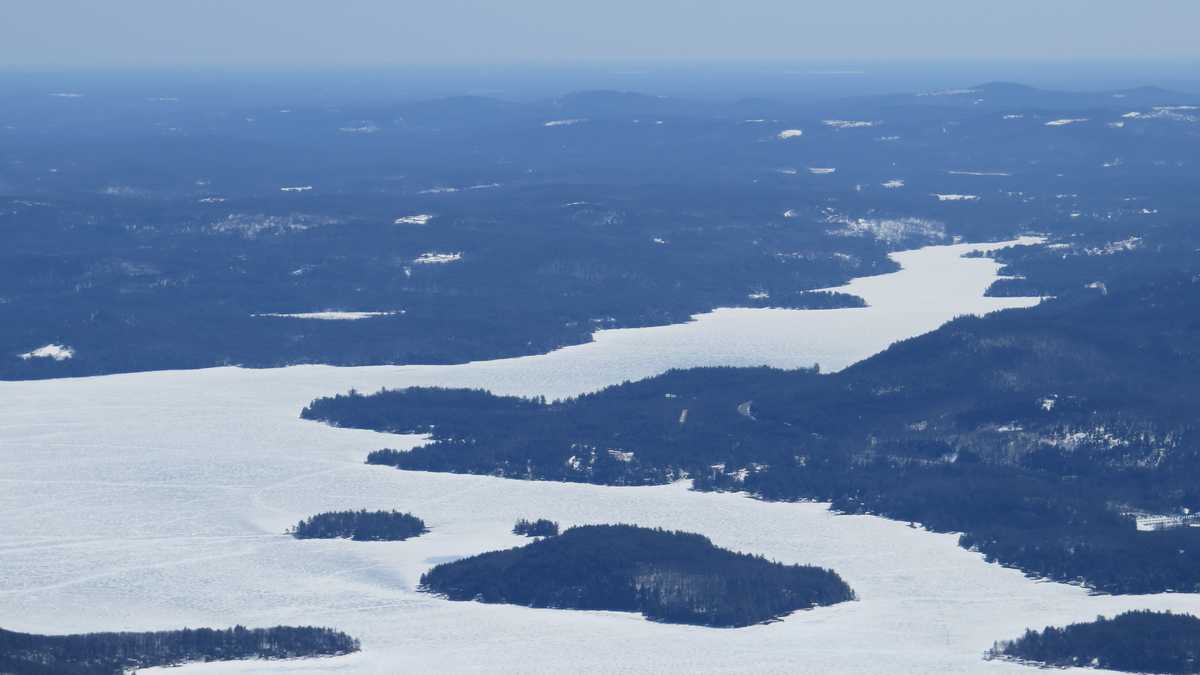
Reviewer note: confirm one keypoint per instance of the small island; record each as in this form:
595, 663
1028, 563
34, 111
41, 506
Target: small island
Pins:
360, 526
1134, 642
672, 577
536, 528
116, 653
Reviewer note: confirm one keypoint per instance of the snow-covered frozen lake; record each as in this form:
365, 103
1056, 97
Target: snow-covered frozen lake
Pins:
158, 500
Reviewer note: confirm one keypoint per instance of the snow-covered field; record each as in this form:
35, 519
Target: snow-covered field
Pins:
158, 500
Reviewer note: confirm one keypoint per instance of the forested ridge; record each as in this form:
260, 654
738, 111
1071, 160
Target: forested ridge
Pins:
360, 525
115, 653
674, 577
1135, 642
1039, 434
542, 241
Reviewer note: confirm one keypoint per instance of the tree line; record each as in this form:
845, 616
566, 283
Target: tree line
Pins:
116, 653
360, 525
536, 528
1134, 642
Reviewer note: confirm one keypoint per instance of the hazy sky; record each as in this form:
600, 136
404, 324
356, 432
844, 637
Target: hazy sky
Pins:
104, 33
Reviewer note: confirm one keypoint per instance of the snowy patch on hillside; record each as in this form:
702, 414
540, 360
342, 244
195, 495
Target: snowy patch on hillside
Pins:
431, 258
621, 455
251, 226
446, 189
890, 230
949, 92
1114, 247
848, 124
360, 128
1174, 113
1094, 437
328, 315
1153, 522
119, 190
51, 351
846, 259
416, 219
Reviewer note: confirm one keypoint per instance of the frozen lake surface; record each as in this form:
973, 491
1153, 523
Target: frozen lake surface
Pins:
158, 500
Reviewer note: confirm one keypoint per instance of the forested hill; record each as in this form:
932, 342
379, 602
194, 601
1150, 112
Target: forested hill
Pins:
1134, 642
1040, 434
116, 653
461, 229
675, 577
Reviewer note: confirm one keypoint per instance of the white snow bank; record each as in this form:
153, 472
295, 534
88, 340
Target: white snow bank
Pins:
328, 315
50, 351
445, 189
949, 92
847, 124
431, 258
362, 128
1115, 247
1176, 113
416, 219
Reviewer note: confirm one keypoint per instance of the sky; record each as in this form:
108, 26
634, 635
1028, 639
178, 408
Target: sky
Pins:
354, 33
